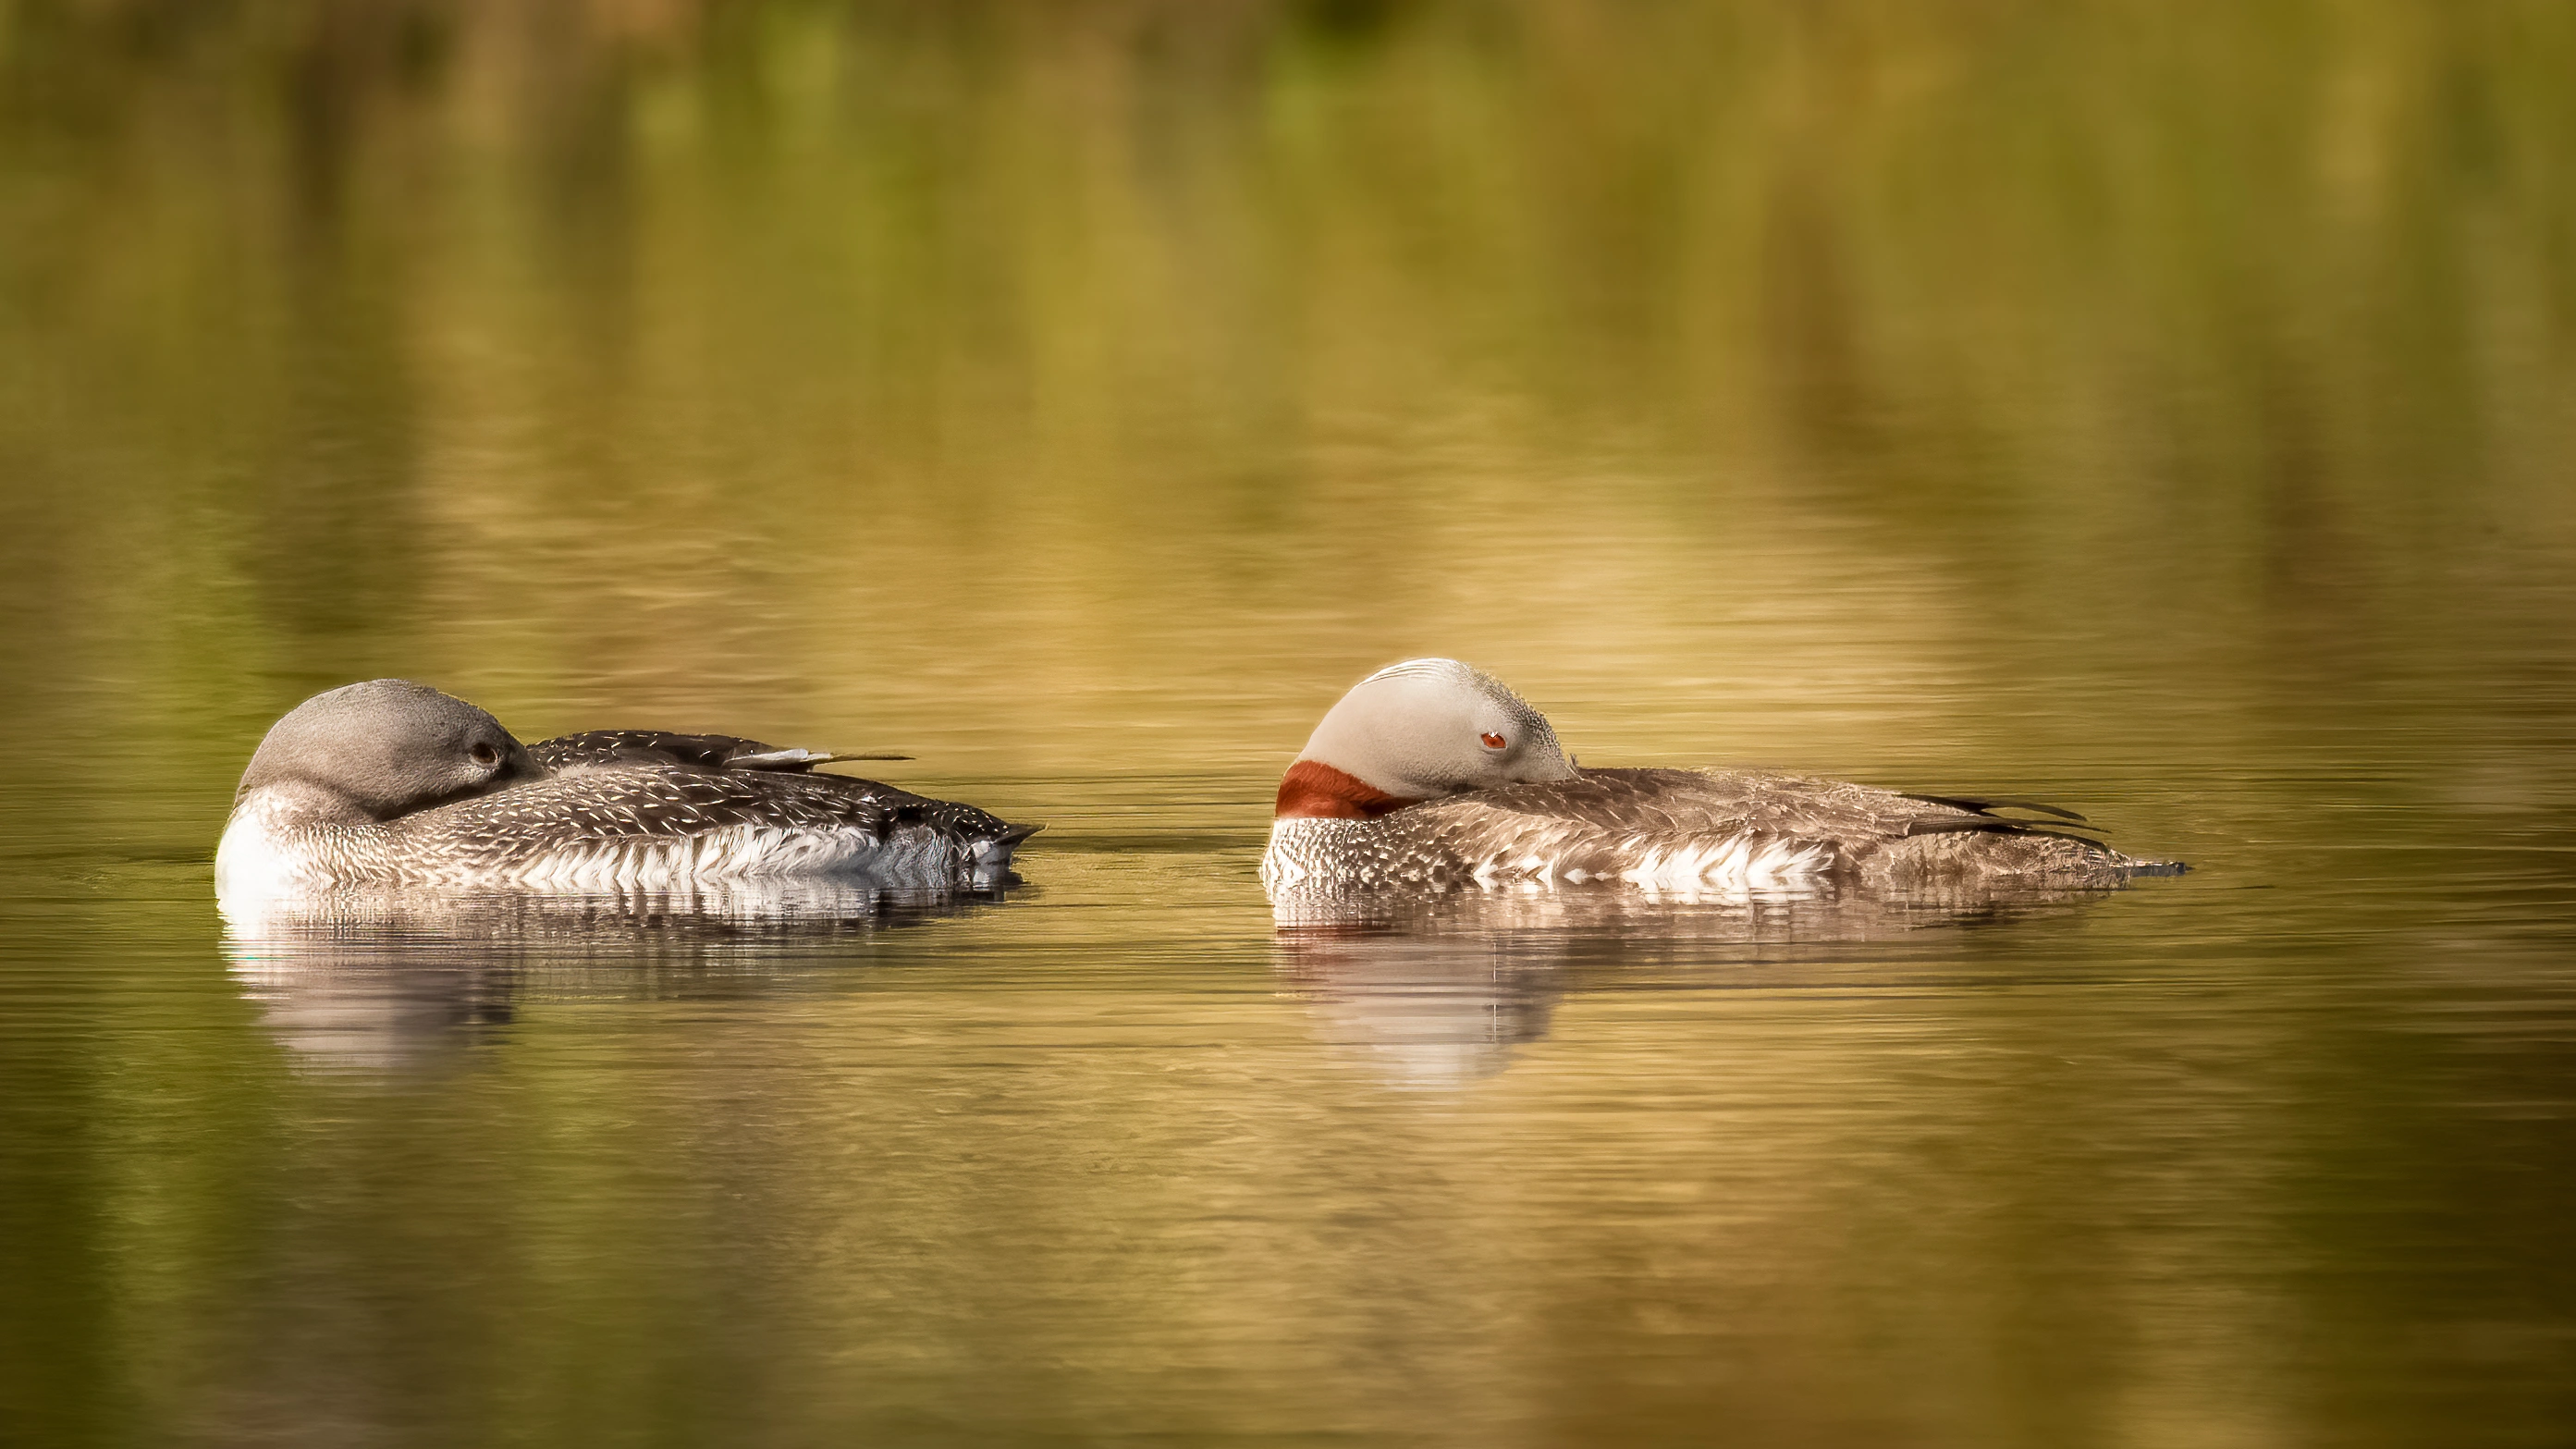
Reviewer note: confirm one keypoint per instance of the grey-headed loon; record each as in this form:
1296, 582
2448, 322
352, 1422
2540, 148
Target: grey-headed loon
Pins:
393, 783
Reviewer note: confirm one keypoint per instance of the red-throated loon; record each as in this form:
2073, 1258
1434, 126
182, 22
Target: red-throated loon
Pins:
1430, 774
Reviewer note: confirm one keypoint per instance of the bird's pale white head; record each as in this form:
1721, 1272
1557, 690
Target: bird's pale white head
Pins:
1416, 731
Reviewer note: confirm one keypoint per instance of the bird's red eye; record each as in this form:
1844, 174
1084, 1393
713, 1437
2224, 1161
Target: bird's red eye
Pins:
1492, 742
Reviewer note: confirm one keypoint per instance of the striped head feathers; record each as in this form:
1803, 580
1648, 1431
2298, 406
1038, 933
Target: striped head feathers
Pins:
382, 749
1417, 731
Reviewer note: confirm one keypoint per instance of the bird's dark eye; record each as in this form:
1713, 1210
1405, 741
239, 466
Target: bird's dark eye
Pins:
484, 754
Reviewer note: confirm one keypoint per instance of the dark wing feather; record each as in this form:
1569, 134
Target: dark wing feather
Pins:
1986, 804
697, 752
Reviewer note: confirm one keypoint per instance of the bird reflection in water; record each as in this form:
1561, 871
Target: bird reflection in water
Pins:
387, 979
1436, 989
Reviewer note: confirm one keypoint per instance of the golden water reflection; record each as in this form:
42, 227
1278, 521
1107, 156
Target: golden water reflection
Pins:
378, 979
1437, 990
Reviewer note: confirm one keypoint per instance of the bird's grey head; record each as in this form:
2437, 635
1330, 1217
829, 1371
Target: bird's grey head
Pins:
1420, 730
381, 749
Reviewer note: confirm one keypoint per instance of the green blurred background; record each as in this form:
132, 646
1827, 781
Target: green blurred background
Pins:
824, 359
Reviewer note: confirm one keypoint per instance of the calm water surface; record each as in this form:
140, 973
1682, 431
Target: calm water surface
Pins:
2167, 413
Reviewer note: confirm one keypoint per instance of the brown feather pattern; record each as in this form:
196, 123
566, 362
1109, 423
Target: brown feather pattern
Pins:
1676, 827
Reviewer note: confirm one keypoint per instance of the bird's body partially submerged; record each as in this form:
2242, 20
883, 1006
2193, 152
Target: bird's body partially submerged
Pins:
390, 783
1477, 793
1680, 830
